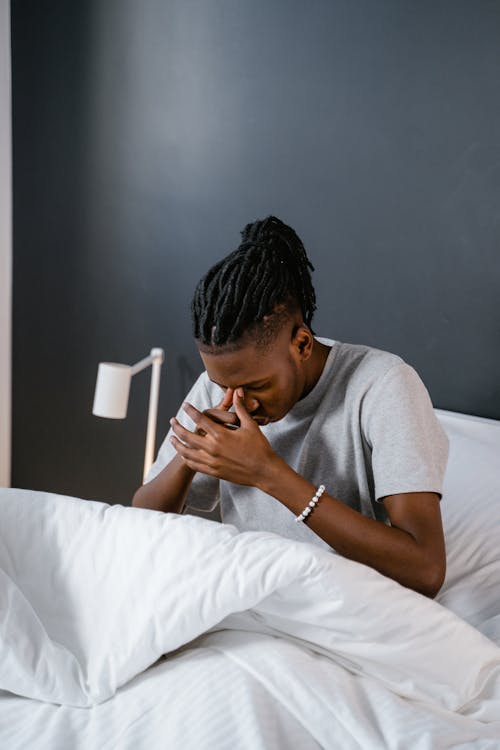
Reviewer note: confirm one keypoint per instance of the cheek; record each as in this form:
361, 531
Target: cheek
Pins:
291, 393
278, 401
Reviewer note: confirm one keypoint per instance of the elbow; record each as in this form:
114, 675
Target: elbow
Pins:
433, 579
136, 500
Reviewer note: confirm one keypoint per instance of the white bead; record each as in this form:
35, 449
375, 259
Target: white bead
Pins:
311, 504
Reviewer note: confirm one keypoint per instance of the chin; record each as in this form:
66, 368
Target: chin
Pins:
263, 419
277, 418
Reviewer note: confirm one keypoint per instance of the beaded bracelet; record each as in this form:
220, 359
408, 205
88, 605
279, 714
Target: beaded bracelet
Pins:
311, 504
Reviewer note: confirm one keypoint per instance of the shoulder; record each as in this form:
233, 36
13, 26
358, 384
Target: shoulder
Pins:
361, 366
383, 379
370, 379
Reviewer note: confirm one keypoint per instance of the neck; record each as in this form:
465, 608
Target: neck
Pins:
316, 364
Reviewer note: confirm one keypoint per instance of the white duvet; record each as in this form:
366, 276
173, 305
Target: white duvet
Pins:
91, 595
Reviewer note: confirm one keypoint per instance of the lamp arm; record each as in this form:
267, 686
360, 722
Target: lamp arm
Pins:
156, 359
143, 363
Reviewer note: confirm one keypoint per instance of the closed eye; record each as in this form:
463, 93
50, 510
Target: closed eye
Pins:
247, 388
254, 388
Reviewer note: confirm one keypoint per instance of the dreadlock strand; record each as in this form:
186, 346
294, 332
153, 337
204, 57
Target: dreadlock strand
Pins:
269, 268
248, 314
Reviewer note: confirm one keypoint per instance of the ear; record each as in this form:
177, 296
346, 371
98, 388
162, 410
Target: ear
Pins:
302, 342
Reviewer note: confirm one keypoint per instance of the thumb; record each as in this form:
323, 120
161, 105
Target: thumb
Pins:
240, 408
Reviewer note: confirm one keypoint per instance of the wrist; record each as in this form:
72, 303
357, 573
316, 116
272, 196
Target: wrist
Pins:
273, 474
287, 486
182, 467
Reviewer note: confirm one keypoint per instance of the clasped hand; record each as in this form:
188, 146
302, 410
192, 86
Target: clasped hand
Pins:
236, 455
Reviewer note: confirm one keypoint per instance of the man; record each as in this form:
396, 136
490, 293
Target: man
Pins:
317, 440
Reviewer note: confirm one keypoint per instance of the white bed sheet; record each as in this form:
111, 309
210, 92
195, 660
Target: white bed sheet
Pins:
241, 689
198, 698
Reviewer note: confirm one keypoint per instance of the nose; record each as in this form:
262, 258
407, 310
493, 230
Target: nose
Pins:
251, 404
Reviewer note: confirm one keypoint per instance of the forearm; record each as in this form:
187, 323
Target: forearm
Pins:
390, 550
411, 550
168, 491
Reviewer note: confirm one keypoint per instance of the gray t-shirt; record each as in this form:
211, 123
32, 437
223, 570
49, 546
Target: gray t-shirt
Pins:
365, 431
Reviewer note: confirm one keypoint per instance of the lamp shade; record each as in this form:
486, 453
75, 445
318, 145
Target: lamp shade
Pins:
112, 390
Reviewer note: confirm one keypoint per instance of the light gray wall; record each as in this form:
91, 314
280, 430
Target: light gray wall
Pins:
147, 134
5, 245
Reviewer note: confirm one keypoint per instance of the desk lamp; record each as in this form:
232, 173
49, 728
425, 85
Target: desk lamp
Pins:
112, 391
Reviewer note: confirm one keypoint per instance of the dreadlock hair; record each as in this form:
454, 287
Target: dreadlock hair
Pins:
252, 292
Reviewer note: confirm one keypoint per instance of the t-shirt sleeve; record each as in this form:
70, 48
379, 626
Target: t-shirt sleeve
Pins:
409, 446
204, 491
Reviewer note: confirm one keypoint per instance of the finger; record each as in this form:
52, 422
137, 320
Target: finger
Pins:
188, 438
226, 418
192, 458
227, 401
240, 408
189, 454
201, 421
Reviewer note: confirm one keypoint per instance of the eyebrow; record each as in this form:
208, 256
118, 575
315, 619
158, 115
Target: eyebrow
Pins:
253, 384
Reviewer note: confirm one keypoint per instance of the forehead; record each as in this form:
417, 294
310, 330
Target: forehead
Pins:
243, 367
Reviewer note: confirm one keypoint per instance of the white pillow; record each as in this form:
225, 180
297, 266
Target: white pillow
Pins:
471, 517
84, 603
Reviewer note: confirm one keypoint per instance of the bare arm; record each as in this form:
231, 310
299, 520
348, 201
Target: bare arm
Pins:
168, 491
411, 550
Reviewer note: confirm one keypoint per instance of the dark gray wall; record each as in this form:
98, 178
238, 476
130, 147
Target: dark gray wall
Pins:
147, 134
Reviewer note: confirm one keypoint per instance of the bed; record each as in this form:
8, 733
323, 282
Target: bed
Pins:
126, 628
